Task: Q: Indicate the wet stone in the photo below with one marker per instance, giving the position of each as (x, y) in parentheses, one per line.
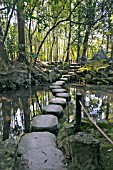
(36, 140)
(58, 84)
(55, 87)
(59, 101)
(54, 109)
(64, 79)
(66, 76)
(45, 123)
(60, 81)
(64, 95)
(37, 151)
(54, 91)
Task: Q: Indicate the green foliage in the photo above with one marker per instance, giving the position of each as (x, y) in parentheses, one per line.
(94, 16)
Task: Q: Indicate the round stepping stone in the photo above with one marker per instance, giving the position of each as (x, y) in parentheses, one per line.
(64, 95)
(63, 82)
(54, 109)
(58, 91)
(59, 101)
(67, 76)
(72, 67)
(57, 84)
(55, 87)
(72, 73)
(64, 79)
(74, 64)
(36, 140)
(45, 123)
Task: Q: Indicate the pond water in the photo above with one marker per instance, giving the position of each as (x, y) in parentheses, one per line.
(17, 108)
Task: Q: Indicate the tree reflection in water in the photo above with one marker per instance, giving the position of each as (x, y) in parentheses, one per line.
(17, 108)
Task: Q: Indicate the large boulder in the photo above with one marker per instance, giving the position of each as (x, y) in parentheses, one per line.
(84, 150)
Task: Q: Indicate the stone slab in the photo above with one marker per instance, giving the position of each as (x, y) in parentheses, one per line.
(45, 123)
(54, 109)
(36, 140)
(37, 151)
(58, 91)
(64, 79)
(57, 84)
(59, 101)
(60, 81)
(64, 95)
(41, 159)
(55, 87)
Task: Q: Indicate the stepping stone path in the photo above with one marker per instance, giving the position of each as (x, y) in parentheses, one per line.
(45, 123)
(38, 150)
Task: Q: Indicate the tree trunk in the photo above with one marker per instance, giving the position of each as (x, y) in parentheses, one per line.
(3, 54)
(112, 44)
(69, 38)
(78, 43)
(21, 35)
(51, 50)
(85, 43)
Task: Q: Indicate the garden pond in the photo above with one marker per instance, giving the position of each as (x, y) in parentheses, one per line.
(17, 108)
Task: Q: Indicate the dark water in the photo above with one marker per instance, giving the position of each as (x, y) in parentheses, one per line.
(17, 108)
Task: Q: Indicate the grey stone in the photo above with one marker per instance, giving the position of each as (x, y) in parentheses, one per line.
(36, 140)
(84, 150)
(64, 95)
(54, 91)
(37, 151)
(54, 109)
(63, 82)
(45, 123)
(66, 76)
(55, 87)
(59, 101)
(57, 84)
(41, 159)
(64, 79)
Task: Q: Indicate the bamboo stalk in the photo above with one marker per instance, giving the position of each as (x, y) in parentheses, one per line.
(94, 123)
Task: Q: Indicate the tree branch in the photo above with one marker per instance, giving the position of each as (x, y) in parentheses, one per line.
(8, 24)
(54, 26)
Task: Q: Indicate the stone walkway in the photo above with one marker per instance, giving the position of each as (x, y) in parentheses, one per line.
(38, 150)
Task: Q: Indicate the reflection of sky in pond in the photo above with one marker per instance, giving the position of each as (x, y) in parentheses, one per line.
(17, 123)
(93, 108)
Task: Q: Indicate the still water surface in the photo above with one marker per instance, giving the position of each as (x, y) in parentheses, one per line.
(17, 108)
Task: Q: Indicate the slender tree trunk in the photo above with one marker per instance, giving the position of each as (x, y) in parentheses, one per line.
(78, 43)
(3, 54)
(51, 50)
(112, 44)
(56, 56)
(21, 35)
(69, 38)
(85, 43)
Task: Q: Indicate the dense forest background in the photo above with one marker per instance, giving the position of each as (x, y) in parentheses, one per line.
(55, 30)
